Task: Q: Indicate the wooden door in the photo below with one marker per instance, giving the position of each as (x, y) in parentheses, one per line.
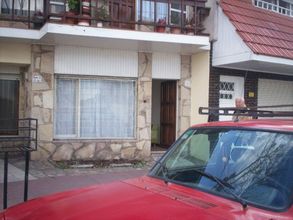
(168, 113)
(9, 90)
(122, 11)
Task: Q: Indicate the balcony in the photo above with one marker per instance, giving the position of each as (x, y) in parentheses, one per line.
(168, 16)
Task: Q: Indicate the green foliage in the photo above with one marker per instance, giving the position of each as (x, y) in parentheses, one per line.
(102, 13)
(73, 5)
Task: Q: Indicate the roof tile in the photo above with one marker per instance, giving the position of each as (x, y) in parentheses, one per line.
(265, 32)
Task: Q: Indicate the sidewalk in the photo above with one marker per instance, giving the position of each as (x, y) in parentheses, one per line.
(46, 179)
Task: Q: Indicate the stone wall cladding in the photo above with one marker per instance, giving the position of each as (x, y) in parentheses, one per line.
(42, 94)
(184, 95)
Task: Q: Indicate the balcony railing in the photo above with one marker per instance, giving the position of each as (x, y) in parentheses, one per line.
(173, 16)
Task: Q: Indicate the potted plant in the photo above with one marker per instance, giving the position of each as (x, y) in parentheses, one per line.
(73, 8)
(175, 20)
(38, 19)
(161, 25)
(189, 26)
(102, 15)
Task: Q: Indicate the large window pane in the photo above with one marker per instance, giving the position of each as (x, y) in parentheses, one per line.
(65, 122)
(106, 108)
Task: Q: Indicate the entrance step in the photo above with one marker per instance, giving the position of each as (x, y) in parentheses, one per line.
(156, 155)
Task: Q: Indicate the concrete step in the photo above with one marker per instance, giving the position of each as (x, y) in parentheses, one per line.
(156, 155)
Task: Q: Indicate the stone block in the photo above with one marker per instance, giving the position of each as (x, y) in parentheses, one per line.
(116, 148)
(100, 146)
(47, 115)
(48, 99)
(127, 144)
(145, 65)
(63, 152)
(86, 152)
(38, 100)
(128, 153)
(48, 78)
(41, 84)
(47, 62)
(184, 123)
(184, 93)
(141, 121)
(144, 134)
(140, 145)
(186, 110)
(50, 147)
(104, 155)
(46, 132)
(37, 62)
(76, 146)
(37, 113)
(40, 154)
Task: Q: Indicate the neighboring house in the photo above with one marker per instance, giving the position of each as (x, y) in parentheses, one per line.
(97, 91)
(252, 55)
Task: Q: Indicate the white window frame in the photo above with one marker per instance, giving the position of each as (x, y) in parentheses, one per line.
(77, 106)
(275, 7)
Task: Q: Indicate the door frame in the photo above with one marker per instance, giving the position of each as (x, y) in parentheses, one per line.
(238, 92)
(13, 77)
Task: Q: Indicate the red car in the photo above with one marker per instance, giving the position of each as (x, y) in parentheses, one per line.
(219, 170)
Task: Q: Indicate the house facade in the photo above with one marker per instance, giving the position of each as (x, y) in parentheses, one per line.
(252, 52)
(105, 77)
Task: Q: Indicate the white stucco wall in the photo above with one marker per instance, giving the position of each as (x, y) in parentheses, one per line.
(200, 69)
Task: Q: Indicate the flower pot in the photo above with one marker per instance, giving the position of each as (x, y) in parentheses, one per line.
(69, 20)
(175, 30)
(189, 30)
(161, 29)
(83, 21)
(99, 24)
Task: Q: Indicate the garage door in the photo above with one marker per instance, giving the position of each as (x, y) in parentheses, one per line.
(275, 92)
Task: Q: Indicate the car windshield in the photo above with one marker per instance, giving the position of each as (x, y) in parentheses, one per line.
(256, 165)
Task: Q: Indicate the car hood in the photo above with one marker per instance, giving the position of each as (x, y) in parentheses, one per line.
(142, 198)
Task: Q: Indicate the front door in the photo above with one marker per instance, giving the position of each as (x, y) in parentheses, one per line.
(230, 87)
(168, 113)
(9, 90)
(123, 12)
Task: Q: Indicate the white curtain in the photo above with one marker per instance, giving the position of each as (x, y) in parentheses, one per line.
(65, 120)
(106, 108)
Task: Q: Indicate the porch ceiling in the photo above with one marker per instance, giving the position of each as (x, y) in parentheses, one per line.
(57, 34)
(259, 63)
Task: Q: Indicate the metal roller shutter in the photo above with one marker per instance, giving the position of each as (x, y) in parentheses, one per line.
(275, 92)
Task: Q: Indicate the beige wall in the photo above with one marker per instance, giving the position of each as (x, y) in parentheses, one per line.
(199, 85)
(15, 53)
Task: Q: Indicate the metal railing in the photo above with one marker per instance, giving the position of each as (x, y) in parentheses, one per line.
(18, 136)
(174, 16)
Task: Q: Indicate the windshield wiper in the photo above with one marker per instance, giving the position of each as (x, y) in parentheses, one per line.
(165, 171)
(226, 186)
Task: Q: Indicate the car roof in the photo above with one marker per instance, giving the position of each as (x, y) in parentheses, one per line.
(263, 124)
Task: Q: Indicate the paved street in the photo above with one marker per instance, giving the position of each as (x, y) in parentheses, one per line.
(46, 179)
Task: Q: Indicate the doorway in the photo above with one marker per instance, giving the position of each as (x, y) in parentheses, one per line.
(164, 101)
(230, 88)
(9, 98)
